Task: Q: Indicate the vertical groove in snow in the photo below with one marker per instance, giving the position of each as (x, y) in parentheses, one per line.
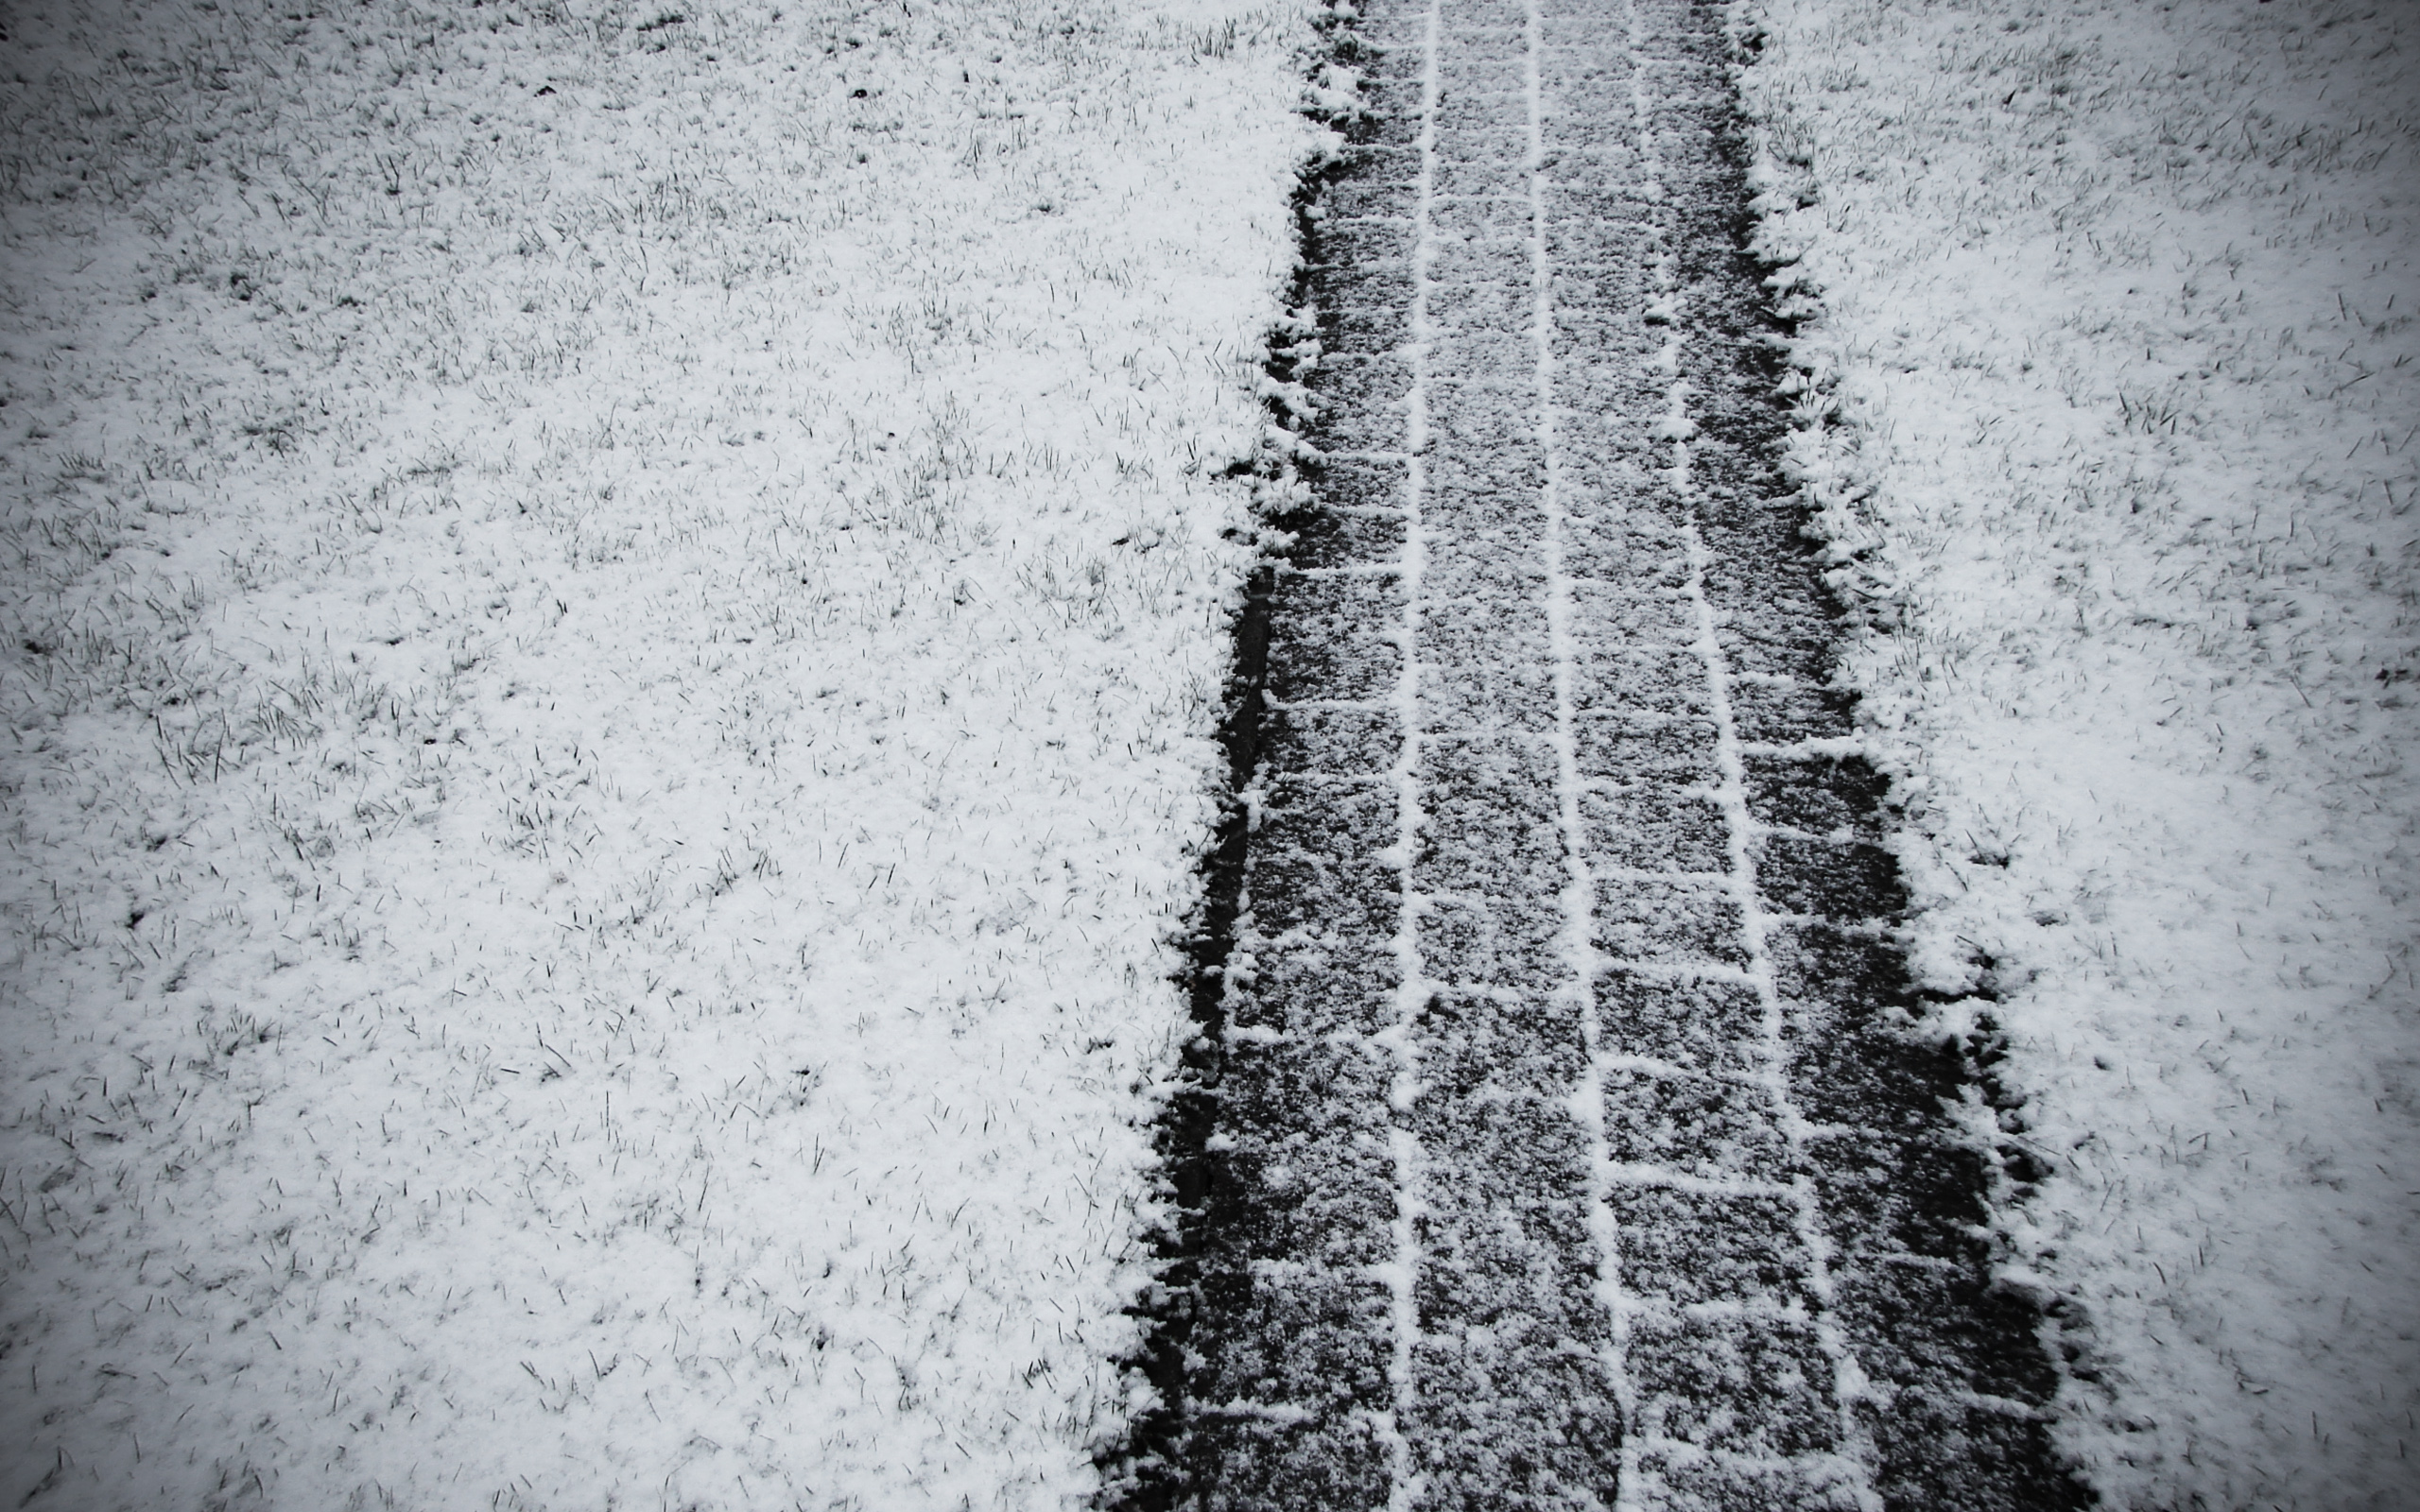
(1579, 892)
(1650, 189)
(1413, 988)
(1849, 1383)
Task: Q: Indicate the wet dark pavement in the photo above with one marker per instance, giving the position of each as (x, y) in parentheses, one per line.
(1558, 1139)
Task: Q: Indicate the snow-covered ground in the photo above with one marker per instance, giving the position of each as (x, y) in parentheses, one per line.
(612, 625)
(611, 621)
(2117, 303)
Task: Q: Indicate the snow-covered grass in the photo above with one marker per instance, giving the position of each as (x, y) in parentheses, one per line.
(2117, 304)
(613, 620)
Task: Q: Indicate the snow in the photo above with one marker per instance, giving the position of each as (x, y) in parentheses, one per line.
(1577, 901)
(1770, 1055)
(2107, 395)
(612, 625)
(1398, 1039)
(1555, 1008)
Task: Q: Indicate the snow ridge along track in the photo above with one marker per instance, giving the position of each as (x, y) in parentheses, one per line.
(1555, 1143)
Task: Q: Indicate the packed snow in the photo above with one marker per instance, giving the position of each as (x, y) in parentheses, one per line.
(613, 621)
(2108, 394)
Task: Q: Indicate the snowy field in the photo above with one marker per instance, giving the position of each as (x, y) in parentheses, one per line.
(613, 620)
(2116, 301)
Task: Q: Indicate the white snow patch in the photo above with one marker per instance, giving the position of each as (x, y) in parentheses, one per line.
(612, 627)
(2117, 303)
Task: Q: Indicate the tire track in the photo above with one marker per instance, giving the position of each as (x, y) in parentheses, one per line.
(1553, 1141)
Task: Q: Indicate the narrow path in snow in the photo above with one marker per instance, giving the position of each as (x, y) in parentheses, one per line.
(1561, 1150)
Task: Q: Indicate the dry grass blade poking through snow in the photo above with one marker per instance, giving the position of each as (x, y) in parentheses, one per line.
(612, 631)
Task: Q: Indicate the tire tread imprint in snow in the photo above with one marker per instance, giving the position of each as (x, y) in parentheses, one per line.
(1672, 1215)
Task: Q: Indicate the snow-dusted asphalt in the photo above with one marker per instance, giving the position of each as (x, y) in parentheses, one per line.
(1561, 1148)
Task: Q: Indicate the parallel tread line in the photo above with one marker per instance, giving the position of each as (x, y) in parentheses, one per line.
(1403, 1482)
(1587, 1101)
(1849, 1382)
